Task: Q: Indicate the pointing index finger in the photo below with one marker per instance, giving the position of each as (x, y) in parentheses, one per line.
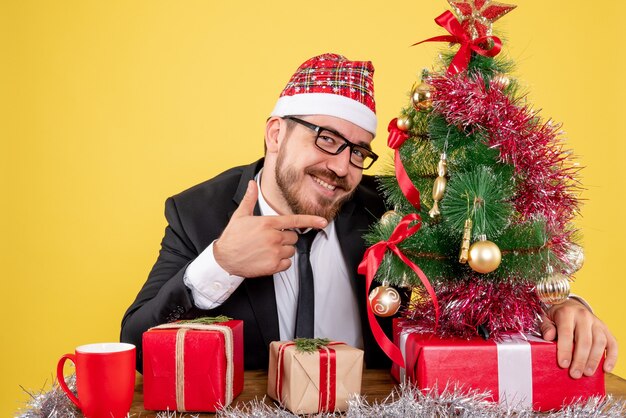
(298, 221)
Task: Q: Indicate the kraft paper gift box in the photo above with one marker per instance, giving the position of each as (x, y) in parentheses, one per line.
(519, 371)
(308, 383)
(192, 367)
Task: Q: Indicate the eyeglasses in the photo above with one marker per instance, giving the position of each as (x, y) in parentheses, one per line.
(334, 143)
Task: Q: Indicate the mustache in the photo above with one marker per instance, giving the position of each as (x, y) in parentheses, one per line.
(329, 177)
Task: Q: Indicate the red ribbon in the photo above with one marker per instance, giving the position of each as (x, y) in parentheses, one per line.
(328, 376)
(395, 141)
(328, 379)
(457, 35)
(279, 377)
(368, 267)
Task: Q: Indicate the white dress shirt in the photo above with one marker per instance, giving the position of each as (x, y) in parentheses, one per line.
(336, 309)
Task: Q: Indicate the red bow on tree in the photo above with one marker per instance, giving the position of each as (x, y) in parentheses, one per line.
(458, 35)
(370, 264)
(395, 141)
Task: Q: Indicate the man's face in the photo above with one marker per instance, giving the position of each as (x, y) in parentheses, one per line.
(311, 181)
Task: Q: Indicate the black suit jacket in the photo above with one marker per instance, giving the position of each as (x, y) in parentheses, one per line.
(196, 217)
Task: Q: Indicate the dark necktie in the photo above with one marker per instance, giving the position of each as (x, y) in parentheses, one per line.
(306, 297)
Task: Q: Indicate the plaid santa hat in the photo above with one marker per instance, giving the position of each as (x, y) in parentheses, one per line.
(330, 84)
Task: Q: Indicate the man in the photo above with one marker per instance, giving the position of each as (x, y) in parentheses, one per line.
(219, 256)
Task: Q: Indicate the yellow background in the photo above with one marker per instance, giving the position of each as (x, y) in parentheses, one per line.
(109, 107)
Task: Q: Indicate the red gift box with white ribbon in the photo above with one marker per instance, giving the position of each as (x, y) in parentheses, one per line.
(518, 371)
(192, 366)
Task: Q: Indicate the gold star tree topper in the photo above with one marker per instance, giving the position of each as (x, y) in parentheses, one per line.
(477, 16)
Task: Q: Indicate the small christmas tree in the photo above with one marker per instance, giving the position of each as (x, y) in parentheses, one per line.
(494, 189)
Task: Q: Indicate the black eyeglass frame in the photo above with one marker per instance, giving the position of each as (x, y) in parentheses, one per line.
(318, 131)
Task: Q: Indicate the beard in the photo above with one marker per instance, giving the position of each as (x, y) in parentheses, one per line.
(290, 180)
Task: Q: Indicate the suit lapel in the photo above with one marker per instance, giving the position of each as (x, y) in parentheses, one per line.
(247, 174)
(352, 222)
(260, 290)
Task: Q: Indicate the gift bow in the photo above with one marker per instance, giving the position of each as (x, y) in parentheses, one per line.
(461, 60)
(395, 141)
(182, 328)
(368, 267)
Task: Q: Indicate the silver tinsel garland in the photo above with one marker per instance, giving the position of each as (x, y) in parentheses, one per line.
(408, 401)
(55, 404)
(51, 404)
(404, 401)
(174, 414)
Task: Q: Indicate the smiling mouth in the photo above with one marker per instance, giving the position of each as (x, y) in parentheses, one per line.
(324, 184)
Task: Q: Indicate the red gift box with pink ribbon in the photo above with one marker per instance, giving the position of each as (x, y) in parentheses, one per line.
(519, 371)
(192, 366)
(310, 382)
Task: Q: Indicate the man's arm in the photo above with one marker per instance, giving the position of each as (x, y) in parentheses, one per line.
(582, 338)
(164, 296)
(252, 246)
(209, 294)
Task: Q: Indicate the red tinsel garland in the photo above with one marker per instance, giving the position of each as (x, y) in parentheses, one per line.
(546, 185)
(501, 307)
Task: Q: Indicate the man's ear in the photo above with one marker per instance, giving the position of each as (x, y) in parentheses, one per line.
(272, 133)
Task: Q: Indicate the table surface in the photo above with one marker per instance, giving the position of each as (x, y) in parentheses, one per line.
(377, 385)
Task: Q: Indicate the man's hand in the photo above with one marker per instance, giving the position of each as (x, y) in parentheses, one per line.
(573, 322)
(253, 246)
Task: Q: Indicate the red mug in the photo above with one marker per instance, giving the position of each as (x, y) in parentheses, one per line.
(105, 379)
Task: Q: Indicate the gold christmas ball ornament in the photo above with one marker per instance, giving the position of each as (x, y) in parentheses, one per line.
(391, 216)
(500, 80)
(384, 301)
(404, 123)
(484, 256)
(576, 257)
(553, 289)
(421, 97)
